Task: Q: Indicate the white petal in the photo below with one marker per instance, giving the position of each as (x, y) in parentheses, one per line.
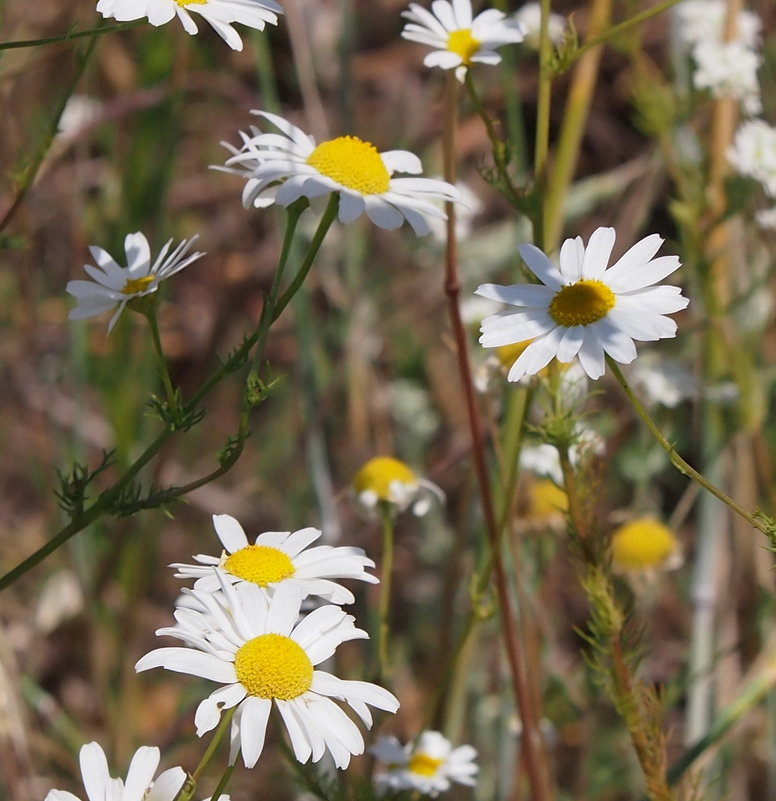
(253, 728)
(633, 259)
(529, 295)
(541, 266)
(643, 274)
(537, 355)
(299, 741)
(597, 253)
(570, 344)
(230, 532)
(572, 255)
(284, 609)
(187, 660)
(167, 785)
(141, 771)
(591, 354)
(94, 771)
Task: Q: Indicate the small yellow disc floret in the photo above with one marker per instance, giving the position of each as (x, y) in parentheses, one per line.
(463, 44)
(135, 285)
(379, 473)
(546, 499)
(259, 564)
(642, 544)
(273, 666)
(582, 303)
(352, 163)
(423, 764)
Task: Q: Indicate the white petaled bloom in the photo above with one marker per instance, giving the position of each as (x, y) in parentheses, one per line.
(664, 381)
(265, 657)
(753, 153)
(388, 481)
(113, 286)
(585, 309)
(704, 20)
(544, 460)
(283, 167)
(427, 766)
(766, 218)
(279, 557)
(459, 39)
(219, 14)
(139, 785)
(530, 17)
(728, 69)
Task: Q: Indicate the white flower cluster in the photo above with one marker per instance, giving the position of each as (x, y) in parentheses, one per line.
(243, 625)
(725, 66)
(753, 154)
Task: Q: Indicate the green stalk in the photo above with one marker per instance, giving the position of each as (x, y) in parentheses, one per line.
(164, 371)
(213, 744)
(71, 35)
(386, 574)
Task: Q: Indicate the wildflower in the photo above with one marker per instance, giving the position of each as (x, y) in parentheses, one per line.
(283, 167)
(255, 647)
(530, 17)
(645, 545)
(115, 286)
(585, 309)
(663, 381)
(279, 557)
(728, 69)
(139, 786)
(546, 501)
(544, 460)
(385, 480)
(79, 112)
(459, 39)
(753, 153)
(427, 766)
(220, 14)
(704, 20)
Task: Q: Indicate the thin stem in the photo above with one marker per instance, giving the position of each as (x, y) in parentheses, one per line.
(153, 324)
(221, 786)
(214, 743)
(71, 35)
(541, 147)
(535, 762)
(678, 462)
(329, 213)
(386, 572)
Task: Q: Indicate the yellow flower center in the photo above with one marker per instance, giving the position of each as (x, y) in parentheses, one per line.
(260, 564)
(582, 303)
(642, 543)
(379, 473)
(192, 2)
(352, 163)
(135, 285)
(463, 44)
(507, 354)
(273, 666)
(423, 764)
(546, 499)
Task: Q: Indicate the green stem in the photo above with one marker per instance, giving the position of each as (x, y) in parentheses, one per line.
(70, 35)
(541, 147)
(330, 212)
(153, 324)
(676, 460)
(383, 660)
(221, 786)
(214, 743)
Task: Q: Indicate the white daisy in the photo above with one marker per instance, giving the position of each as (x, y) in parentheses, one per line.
(427, 766)
(459, 39)
(139, 785)
(389, 481)
(585, 309)
(530, 17)
(114, 285)
(255, 647)
(282, 167)
(728, 69)
(279, 557)
(220, 14)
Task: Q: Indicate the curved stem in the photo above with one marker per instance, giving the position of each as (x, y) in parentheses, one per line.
(676, 460)
(71, 35)
(214, 743)
(153, 323)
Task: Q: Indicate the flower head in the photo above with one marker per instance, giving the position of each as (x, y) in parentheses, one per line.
(427, 766)
(139, 785)
(113, 286)
(530, 17)
(279, 557)
(283, 167)
(385, 480)
(728, 69)
(704, 20)
(753, 153)
(265, 657)
(220, 14)
(644, 545)
(583, 308)
(459, 39)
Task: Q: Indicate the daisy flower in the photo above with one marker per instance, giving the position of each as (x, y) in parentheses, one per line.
(388, 481)
(282, 167)
(220, 14)
(279, 557)
(753, 153)
(645, 545)
(265, 658)
(584, 308)
(139, 786)
(459, 39)
(113, 286)
(530, 17)
(427, 766)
